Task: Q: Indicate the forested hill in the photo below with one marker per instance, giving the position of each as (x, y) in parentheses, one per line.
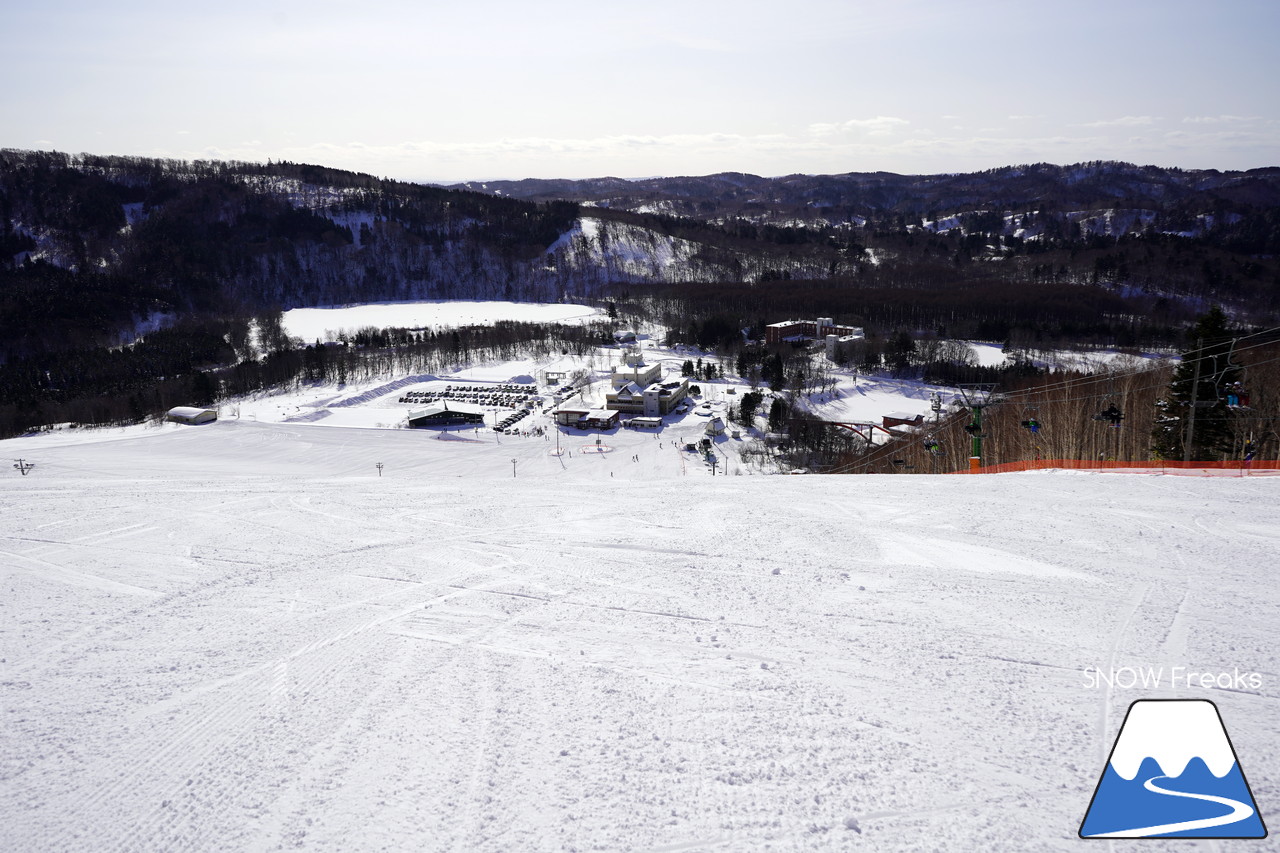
(1236, 209)
(93, 248)
(89, 245)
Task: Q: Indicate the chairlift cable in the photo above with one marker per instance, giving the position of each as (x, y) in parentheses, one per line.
(1109, 375)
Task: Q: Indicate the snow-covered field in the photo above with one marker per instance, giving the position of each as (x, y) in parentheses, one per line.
(240, 637)
(310, 324)
(249, 636)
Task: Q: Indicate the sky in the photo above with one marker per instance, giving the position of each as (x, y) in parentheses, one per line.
(497, 89)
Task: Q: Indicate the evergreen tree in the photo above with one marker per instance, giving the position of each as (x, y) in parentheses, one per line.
(900, 350)
(778, 413)
(751, 401)
(1204, 376)
(774, 372)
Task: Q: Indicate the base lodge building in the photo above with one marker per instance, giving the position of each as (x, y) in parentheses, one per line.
(808, 330)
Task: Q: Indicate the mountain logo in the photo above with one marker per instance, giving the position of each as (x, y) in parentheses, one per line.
(1172, 773)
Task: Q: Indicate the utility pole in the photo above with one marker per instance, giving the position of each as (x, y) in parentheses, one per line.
(1191, 407)
(379, 467)
(513, 468)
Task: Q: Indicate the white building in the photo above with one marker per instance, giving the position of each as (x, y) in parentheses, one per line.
(654, 400)
(636, 372)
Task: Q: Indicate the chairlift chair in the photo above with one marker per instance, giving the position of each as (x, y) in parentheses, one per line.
(1236, 396)
(1112, 414)
(1029, 420)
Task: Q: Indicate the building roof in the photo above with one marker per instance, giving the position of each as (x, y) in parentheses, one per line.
(630, 389)
(189, 411)
(443, 406)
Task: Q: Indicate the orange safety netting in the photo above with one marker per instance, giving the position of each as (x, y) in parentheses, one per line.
(1205, 469)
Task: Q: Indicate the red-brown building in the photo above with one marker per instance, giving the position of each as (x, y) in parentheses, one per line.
(807, 330)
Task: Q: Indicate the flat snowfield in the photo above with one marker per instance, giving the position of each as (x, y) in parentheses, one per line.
(240, 637)
(312, 323)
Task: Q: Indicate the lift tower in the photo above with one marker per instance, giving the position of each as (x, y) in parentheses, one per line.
(977, 396)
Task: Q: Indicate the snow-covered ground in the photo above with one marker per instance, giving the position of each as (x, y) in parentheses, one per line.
(851, 398)
(240, 636)
(250, 636)
(310, 324)
(993, 355)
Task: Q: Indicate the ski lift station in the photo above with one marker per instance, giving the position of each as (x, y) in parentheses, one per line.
(191, 415)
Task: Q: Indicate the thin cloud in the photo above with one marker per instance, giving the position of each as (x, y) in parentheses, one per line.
(830, 149)
(1123, 121)
(1220, 119)
(880, 125)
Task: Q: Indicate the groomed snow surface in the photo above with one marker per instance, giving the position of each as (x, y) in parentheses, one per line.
(240, 637)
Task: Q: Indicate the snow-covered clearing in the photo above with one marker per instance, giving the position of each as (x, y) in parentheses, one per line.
(240, 637)
(993, 355)
(310, 324)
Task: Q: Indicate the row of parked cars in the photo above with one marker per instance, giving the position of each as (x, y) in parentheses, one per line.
(511, 420)
(506, 396)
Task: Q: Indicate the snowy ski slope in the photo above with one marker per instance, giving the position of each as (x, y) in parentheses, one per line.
(241, 637)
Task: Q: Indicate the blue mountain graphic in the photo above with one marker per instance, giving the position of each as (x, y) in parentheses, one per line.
(1120, 805)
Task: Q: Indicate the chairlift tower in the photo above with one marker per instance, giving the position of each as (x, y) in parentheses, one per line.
(977, 396)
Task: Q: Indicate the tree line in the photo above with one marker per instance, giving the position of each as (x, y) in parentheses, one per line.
(208, 360)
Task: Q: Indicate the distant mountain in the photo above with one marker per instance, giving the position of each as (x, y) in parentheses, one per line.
(1174, 201)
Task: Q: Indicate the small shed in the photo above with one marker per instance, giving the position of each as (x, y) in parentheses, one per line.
(897, 419)
(191, 415)
(715, 426)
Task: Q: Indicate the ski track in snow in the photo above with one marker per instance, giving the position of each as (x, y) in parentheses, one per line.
(242, 638)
